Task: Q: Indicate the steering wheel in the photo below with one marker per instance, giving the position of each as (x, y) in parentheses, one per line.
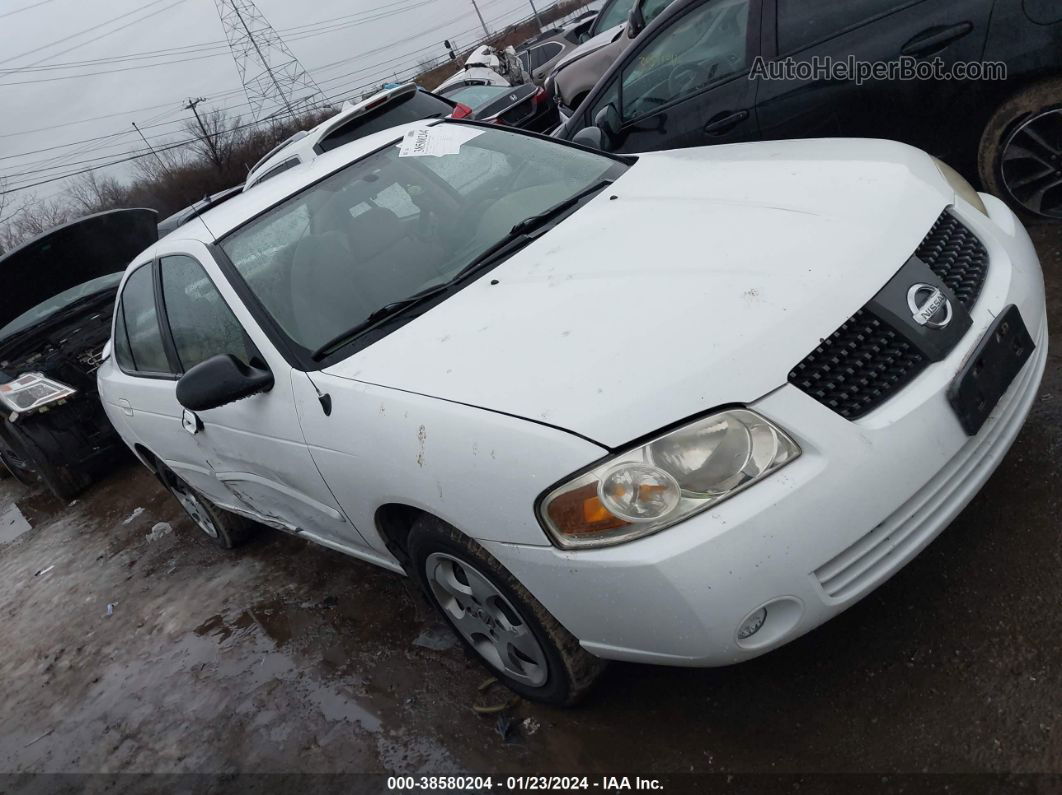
(686, 78)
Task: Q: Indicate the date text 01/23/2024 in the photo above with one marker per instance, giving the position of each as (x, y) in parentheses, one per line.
(522, 783)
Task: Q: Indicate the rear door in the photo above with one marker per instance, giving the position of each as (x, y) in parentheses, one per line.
(926, 32)
(687, 82)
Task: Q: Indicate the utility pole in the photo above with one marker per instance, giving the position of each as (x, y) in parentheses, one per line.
(149, 146)
(192, 103)
(538, 19)
(481, 21)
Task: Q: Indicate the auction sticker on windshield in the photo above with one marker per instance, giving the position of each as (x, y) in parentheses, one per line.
(437, 141)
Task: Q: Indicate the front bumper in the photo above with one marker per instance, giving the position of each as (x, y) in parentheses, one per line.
(864, 498)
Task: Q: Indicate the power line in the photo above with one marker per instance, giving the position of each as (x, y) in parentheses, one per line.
(293, 33)
(24, 8)
(80, 33)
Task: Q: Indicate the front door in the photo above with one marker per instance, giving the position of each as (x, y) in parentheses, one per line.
(688, 84)
(253, 449)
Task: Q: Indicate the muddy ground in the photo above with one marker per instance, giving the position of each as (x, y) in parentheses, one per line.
(288, 657)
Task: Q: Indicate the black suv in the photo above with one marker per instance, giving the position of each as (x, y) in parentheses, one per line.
(701, 73)
(55, 319)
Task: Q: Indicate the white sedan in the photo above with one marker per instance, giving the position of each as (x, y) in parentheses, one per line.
(679, 408)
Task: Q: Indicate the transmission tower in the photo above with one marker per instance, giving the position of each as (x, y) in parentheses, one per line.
(274, 81)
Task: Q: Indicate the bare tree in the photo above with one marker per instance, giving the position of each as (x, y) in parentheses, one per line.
(215, 136)
(95, 193)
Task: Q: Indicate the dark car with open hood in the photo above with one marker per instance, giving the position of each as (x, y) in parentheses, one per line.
(55, 322)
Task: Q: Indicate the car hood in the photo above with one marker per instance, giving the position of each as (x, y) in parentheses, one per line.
(602, 39)
(72, 254)
(707, 278)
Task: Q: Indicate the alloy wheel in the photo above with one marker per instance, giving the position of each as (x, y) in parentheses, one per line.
(1032, 164)
(486, 619)
(195, 509)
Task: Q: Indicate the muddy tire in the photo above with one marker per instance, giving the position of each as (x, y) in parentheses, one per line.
(224, 529)
(1020, 158)
(497, 620)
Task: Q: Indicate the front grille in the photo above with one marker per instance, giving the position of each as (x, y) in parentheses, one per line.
(957, 256)
(91, 360)
(859, 367)
(866, 361)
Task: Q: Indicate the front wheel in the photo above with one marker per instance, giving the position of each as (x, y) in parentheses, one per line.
(1021, 151)
(224, 529)
(496, 618)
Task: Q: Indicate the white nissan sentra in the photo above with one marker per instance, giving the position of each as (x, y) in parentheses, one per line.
(678, 408)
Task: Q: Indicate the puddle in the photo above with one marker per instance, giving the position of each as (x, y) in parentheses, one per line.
(12, 524)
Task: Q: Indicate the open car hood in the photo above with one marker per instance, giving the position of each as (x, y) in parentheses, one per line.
(72, 254)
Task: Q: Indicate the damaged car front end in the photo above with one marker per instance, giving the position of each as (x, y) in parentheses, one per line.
(55, 312)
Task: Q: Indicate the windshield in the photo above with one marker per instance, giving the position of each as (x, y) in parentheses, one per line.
(475, 96)
(59, 302)
(613, 14)
(393, 224)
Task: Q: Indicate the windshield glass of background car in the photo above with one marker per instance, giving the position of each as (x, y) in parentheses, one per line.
(57, 303)
(474, 96)
(387, 227)
(615, 14)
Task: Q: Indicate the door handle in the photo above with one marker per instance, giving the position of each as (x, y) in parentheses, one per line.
(932, 41)
(126, 406)
(725, 122)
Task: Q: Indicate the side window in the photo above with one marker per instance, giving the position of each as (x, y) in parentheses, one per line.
(201, 322)
(802, 23)
(703, 47)
(525, 60)
(651, 9)
(280, 168)
(138, 339)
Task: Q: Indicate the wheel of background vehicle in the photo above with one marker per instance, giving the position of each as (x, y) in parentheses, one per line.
(226, 530)
(62, 481)
(1021, 152)
(496, 618)
(8, 466)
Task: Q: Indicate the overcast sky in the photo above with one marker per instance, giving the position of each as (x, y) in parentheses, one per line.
(346, 45)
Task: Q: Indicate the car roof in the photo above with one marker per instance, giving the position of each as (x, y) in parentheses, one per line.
(219, 221)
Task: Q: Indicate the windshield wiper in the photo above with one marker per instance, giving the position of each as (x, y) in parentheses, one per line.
(378, 317)
(517, 237)
(529, 225)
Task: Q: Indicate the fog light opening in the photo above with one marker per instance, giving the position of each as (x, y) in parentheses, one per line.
(753, 624)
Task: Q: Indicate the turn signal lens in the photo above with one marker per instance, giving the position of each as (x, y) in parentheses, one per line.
(669, 479)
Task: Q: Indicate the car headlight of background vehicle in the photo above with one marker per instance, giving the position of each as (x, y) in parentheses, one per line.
(666, 480)
(961, 187)
(31, 392)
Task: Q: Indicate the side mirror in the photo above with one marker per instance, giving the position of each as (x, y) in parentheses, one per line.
(219, 381)
(636, 20)
(608, 121)
(592, 137)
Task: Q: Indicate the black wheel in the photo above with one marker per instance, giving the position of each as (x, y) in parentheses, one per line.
(497, 620)
(1021, 152)
(224, 529)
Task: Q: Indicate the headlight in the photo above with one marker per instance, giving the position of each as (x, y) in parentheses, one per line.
(32, 391)
(666, 480)
(961, 187)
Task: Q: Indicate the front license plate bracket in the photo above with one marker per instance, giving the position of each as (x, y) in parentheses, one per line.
(989, 372)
